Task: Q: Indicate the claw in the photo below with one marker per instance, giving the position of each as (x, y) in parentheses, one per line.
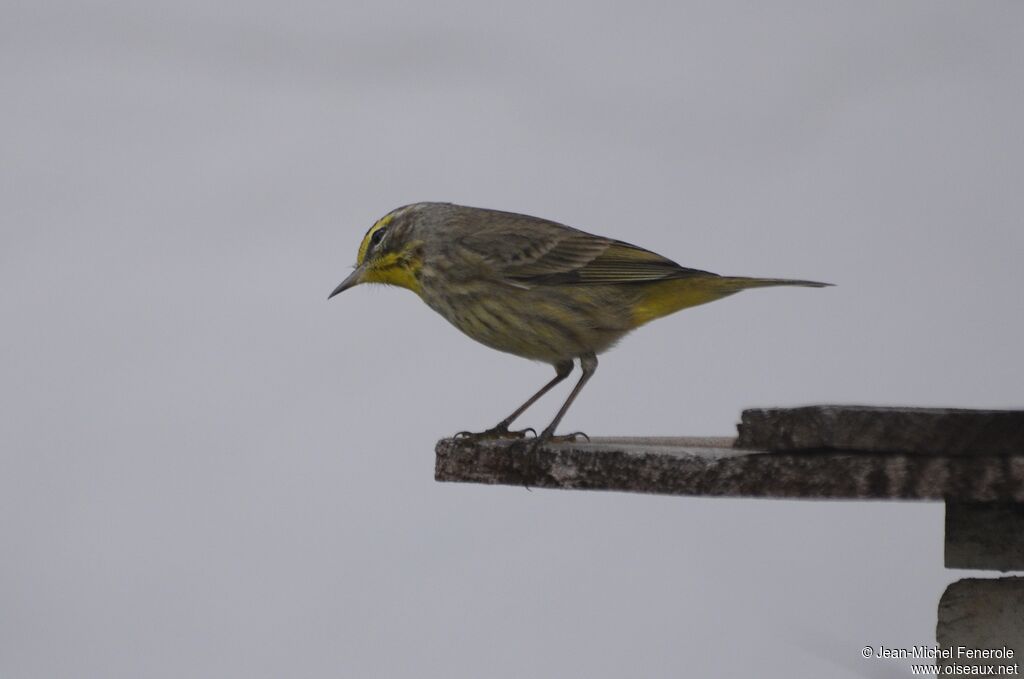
(495, 433)
(569, 438)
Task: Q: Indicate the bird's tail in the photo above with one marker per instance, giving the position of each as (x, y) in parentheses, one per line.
(666, 297)
(737, 283)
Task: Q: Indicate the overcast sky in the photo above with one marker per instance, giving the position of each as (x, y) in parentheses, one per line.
(207, 470)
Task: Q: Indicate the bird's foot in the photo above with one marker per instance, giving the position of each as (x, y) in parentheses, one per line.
(574, 437)
(546, 437)
(530, 448)
(496, 434)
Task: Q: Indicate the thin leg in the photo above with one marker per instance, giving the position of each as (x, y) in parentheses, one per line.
(562, 371)
(589, 364)
(500, 430)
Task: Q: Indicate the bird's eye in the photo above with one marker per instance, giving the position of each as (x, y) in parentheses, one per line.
(376, 238)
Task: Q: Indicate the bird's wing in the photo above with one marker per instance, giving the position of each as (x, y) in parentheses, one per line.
(538, 252)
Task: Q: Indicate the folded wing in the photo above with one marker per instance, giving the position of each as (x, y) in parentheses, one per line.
(531, 251)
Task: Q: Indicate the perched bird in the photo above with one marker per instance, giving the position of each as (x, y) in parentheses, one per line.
(532, 287)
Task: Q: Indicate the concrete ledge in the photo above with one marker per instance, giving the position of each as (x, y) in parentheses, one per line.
(713, 467)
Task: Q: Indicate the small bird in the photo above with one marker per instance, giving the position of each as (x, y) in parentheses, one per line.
(532, 287)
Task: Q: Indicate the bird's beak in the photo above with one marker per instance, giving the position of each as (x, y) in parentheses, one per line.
(351, 281)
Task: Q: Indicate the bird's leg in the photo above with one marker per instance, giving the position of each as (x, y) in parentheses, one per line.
(588, 362)
(501, 430)
(562, 370)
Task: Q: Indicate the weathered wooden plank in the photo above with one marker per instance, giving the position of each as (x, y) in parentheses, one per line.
(923, 431)
(711, 467)
(985, 536)
(984, 614)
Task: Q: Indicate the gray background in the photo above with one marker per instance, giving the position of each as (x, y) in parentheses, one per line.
(209, 471)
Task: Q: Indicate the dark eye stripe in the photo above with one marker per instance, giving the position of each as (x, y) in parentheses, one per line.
(376, 237)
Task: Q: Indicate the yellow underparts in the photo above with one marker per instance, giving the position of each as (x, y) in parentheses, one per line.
(667, 297)
(394, 269)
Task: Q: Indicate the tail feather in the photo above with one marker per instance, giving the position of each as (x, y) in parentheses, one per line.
(665, 297)
(738, 283)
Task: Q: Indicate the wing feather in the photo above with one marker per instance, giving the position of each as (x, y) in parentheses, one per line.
(531, 251)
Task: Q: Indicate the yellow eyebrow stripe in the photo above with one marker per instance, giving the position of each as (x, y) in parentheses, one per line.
(365, 245)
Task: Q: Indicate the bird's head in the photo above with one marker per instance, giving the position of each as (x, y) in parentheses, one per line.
(390, 252)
